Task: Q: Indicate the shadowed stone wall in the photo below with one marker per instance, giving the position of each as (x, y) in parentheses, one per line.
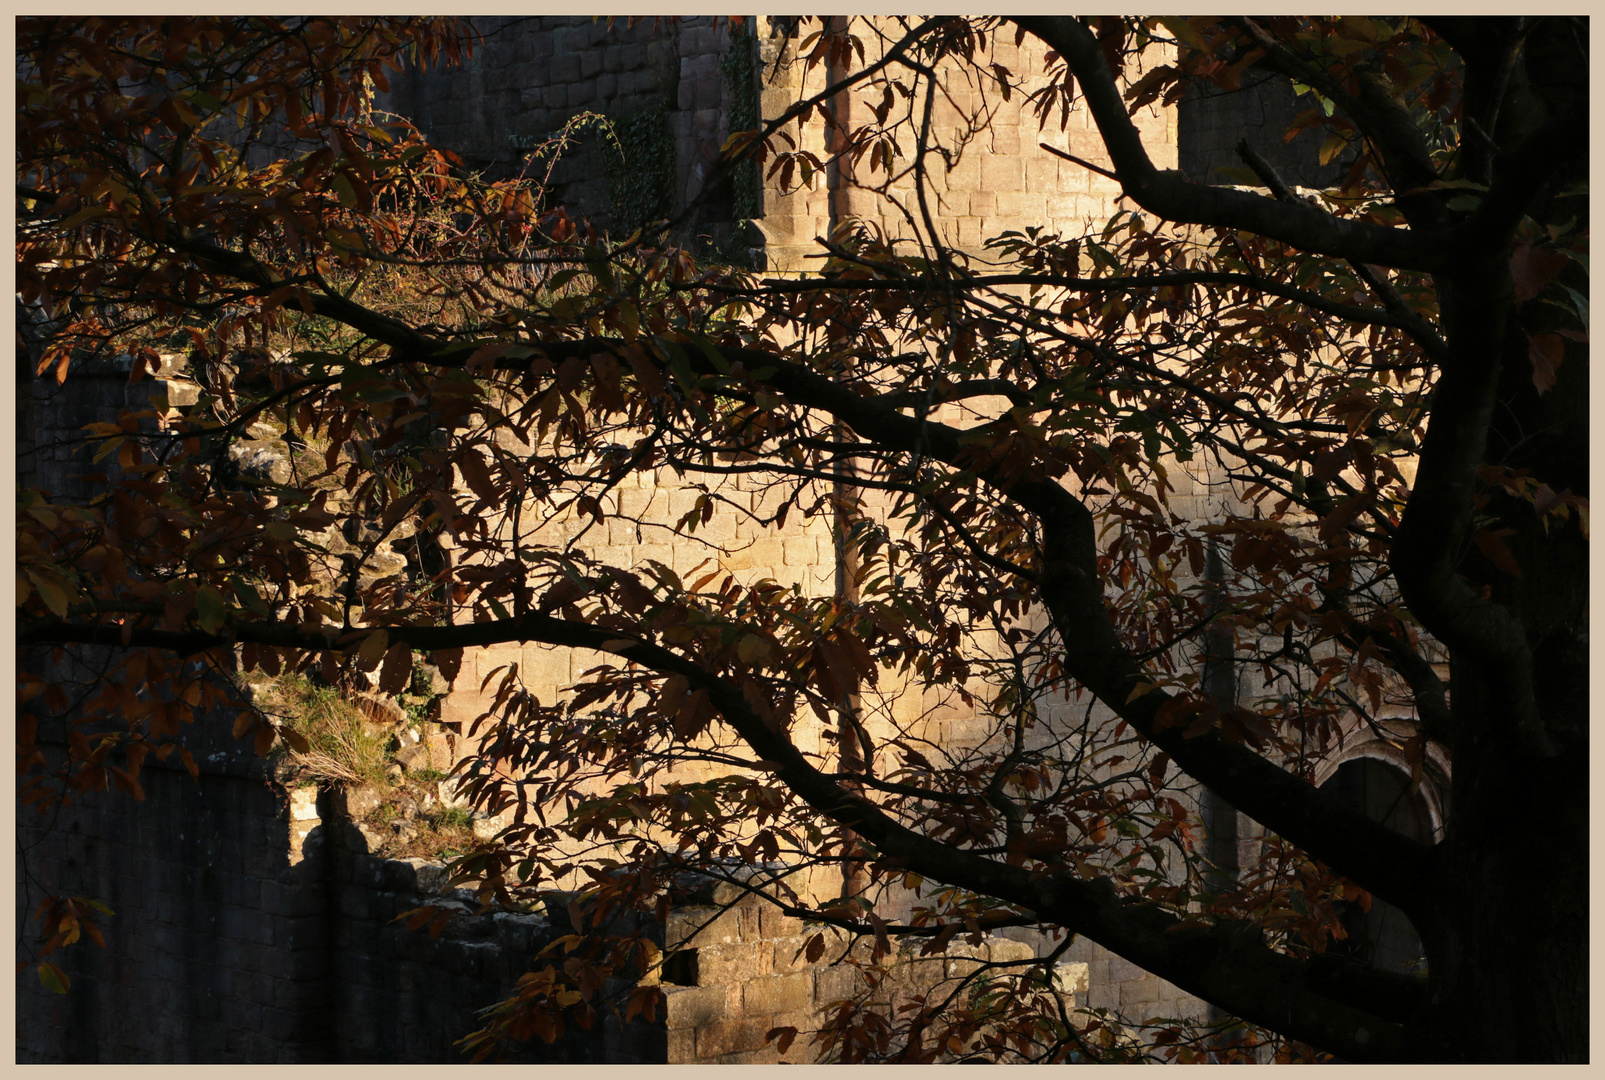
(250, 927)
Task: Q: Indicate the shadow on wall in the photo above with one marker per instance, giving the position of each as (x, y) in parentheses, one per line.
(251, 926)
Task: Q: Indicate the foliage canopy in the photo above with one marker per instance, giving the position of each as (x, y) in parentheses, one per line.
(1388, 375)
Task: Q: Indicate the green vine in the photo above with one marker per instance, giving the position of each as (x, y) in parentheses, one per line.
(737, 67)
(640, 169)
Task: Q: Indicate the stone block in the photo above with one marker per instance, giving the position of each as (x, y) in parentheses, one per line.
(284, 1026)
(789, 954)
(1071, 978)
(292, 996)
(1139, 992)
(725, 964)
(547, 665)
(749, 921)
(249, 986)
(719, 1038)
(519, 933)
(686, 1007)
(1121, 970)
(777, 993)
(1003, 950)
(355, 902)
(1000, 174)
(801, 551)
(701, 927)
(310, 933)
(1024, 207)
(357, 801)
(802, 1050)
(173, 393)
(838, 983)
(1004, 139)
(304, 804)
(565, 68)
(681, 1048)
(237, 923)
(777, 924)
(291, 899)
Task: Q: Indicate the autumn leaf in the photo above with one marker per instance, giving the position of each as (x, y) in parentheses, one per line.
(51, 590)
(1492, 545)
(373, 649)
(752, 649)
(396, 672)
(209, 609)
(1533, 267)
(54, 979)
(1545, 352)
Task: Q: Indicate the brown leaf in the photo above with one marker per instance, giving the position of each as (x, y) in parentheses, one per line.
(1342, 516)
(814, 949)
(477, 476)
(1545, 352)
(1531, 268)
(396, 672)
(54, 979)
(1328, 463)
(449, 661)
(1493, 549)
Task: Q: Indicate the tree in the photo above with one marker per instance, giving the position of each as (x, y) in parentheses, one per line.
(1390, 373)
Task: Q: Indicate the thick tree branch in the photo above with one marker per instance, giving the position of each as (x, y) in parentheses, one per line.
(1228, 963)
(1426, 550)
(1388, 125)
(1176, 199)
(1368, 316)
(1404, 317)
(1380, 859)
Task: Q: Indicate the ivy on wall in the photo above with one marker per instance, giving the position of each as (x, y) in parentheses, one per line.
(641, 169)
(738, 67)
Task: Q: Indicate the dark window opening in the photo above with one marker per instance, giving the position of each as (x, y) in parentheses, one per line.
(680, 969)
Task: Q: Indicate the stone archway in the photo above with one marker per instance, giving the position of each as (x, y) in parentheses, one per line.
(1378, 787)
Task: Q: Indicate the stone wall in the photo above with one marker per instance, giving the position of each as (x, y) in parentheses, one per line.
(217, 950)
(252, 926)
(249, 925)
(737, 970)
(531, 75)
(1211, 122)
(992, 173)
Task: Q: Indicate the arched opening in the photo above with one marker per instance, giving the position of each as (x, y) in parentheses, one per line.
(1382, 937)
